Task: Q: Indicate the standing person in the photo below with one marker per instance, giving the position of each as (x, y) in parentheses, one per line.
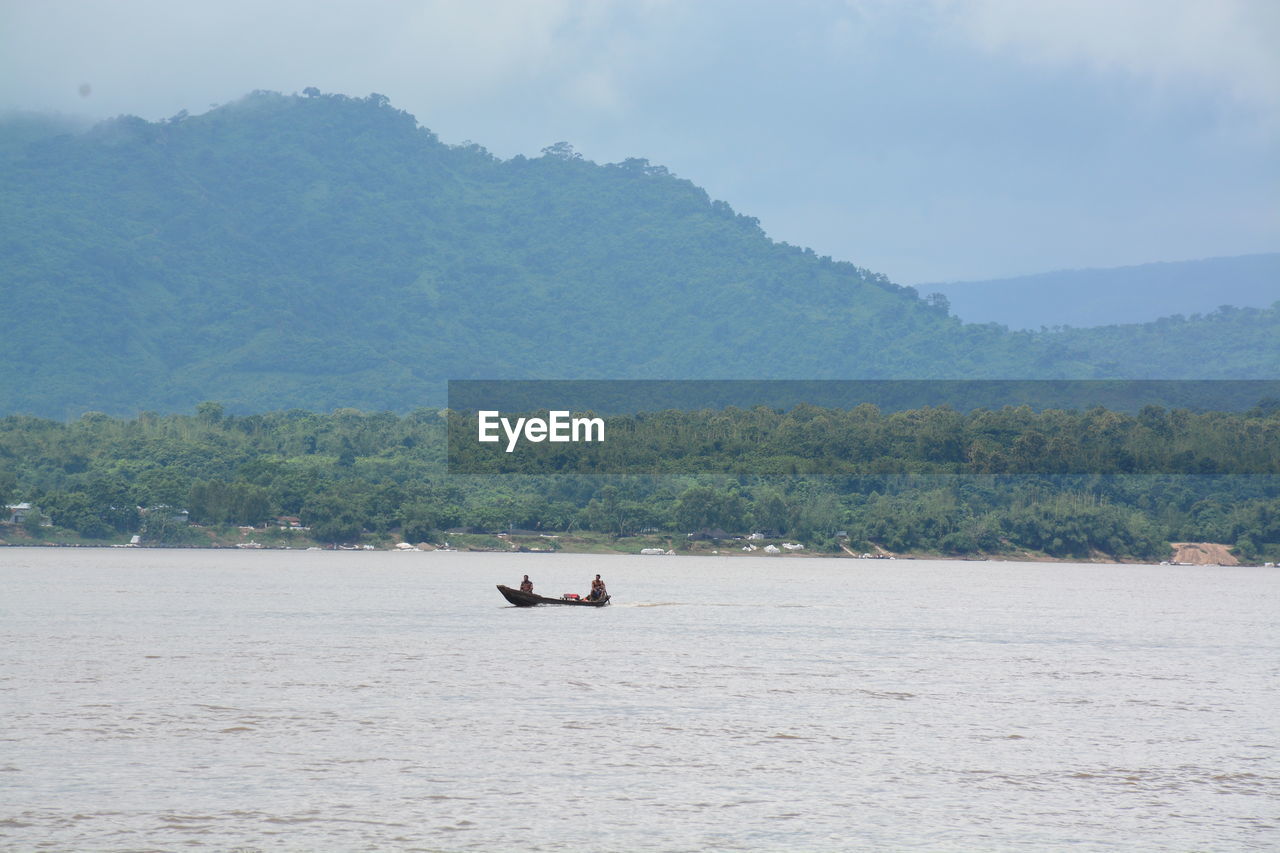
(597, 589)
(526, 585)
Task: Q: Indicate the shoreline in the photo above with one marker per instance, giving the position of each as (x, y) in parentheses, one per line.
(598, 549)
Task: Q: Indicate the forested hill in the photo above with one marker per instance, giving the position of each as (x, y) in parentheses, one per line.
(321, 251)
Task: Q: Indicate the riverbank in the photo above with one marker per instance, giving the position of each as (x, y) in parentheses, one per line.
(588, 542)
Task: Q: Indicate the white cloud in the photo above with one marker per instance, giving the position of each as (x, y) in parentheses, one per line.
(153, 56)
(469, 49)
(1228, 48)
(1166, 109)
(596, 90)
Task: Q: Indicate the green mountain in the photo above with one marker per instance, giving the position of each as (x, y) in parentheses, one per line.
(321, 251)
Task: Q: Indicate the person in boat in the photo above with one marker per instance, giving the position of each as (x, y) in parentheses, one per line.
(597, 590)
(526, 585)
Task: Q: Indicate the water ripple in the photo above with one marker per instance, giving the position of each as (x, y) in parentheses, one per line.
(284, 702)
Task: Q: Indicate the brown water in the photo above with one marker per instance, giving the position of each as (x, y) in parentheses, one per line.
(175, 700)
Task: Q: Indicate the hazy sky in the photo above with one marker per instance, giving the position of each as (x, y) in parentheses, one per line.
(929, 140)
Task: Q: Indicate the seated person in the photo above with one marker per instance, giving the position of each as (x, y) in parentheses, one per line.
(597, 590)
(526, 585)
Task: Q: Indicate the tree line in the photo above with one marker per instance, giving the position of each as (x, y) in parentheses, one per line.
(863, 441)
(923, 480)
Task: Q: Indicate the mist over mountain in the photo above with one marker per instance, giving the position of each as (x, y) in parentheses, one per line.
(1104, 297)
(320, 251)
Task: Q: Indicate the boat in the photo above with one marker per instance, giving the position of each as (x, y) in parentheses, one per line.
(529, 599)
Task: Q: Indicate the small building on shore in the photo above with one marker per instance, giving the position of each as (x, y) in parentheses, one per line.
(21, 513)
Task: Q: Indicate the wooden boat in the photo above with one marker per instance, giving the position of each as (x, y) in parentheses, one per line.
(529, 599)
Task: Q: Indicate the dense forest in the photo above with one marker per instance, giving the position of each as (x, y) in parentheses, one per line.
(351, 476)
(864, 441)
(320, 251)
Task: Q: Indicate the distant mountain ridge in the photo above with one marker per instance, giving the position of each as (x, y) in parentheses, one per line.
(322, 251)
(1104, 297)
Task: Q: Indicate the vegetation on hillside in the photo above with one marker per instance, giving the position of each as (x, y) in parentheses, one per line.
(320, 251)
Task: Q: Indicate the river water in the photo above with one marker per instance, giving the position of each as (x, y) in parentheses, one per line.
(210, 700)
